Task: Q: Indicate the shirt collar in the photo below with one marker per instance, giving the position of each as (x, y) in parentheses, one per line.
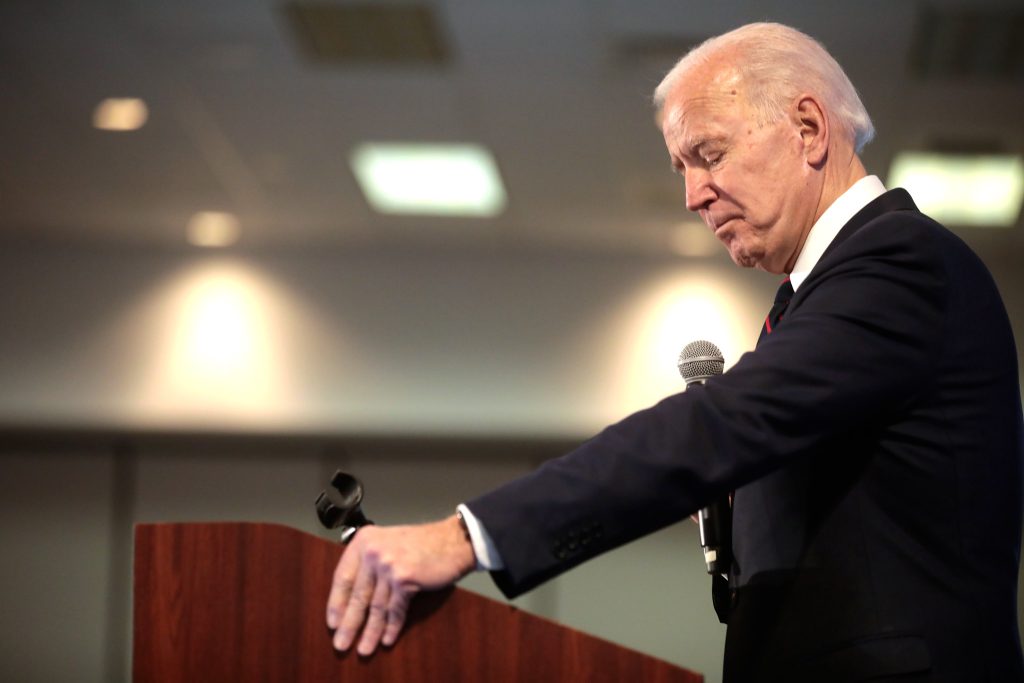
(825, 229)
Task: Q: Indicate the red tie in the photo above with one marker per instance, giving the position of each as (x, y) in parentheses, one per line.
(782, 297)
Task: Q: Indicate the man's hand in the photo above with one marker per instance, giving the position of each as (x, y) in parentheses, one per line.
(380, 572)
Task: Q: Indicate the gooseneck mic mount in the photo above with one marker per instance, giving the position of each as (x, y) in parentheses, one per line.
(340, 508)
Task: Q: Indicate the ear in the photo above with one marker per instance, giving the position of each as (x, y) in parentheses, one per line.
(812, 125)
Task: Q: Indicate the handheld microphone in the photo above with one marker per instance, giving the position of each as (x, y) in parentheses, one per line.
(698, 361)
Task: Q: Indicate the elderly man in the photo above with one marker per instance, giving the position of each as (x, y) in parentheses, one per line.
(873, 439)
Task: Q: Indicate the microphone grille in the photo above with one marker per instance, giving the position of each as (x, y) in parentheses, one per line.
(700, 360)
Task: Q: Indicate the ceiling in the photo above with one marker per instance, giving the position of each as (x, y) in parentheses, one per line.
(242, 119)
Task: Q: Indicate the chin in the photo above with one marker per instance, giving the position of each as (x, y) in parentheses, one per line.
(744, 259)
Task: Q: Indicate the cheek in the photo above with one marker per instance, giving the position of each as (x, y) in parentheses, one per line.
(769, 191)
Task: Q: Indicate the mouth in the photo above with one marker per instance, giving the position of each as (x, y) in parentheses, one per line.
(717, 226)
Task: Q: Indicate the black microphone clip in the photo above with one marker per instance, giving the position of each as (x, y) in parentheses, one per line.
(715, 523)
(344, 509)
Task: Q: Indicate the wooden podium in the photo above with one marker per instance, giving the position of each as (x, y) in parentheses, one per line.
(245, 602)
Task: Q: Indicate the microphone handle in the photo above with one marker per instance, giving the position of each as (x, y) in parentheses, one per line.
(715, 523)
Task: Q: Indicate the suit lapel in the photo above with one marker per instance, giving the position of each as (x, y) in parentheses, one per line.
(893, 200)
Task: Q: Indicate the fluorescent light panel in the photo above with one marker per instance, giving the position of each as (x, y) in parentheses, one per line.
(960, 189)
(429, 179)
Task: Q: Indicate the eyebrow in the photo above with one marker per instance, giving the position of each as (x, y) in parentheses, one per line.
(692, 147)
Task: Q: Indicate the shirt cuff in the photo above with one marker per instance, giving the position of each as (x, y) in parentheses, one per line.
(487, 557)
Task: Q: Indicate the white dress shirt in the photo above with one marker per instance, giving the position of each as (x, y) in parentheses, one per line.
(825, 229)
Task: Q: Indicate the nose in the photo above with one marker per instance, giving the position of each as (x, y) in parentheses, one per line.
(699, 192)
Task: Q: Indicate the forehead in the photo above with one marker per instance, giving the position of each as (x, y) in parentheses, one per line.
(707, 101)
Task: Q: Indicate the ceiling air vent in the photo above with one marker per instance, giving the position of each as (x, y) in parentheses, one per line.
(361, 34)
(969, 43)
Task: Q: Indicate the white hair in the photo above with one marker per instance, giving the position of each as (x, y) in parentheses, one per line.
(777, 63)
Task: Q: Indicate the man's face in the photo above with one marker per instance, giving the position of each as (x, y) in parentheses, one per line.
(750, 184)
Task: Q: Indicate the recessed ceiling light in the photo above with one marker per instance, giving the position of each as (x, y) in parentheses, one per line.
(120, 113)
(960, 189)
(213, 229)
(429, 179)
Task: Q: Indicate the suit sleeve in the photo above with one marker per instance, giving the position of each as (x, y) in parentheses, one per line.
(859, 342)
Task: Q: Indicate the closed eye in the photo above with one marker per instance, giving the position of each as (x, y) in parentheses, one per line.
(712, 158)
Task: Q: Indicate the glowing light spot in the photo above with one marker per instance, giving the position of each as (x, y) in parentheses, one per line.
(120, 114)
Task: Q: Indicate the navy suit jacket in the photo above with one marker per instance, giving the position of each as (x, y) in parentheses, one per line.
(874, 442)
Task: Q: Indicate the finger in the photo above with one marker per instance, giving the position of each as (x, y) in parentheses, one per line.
(341, 588)
(397, 611)
(354, 612)
(376, 617)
